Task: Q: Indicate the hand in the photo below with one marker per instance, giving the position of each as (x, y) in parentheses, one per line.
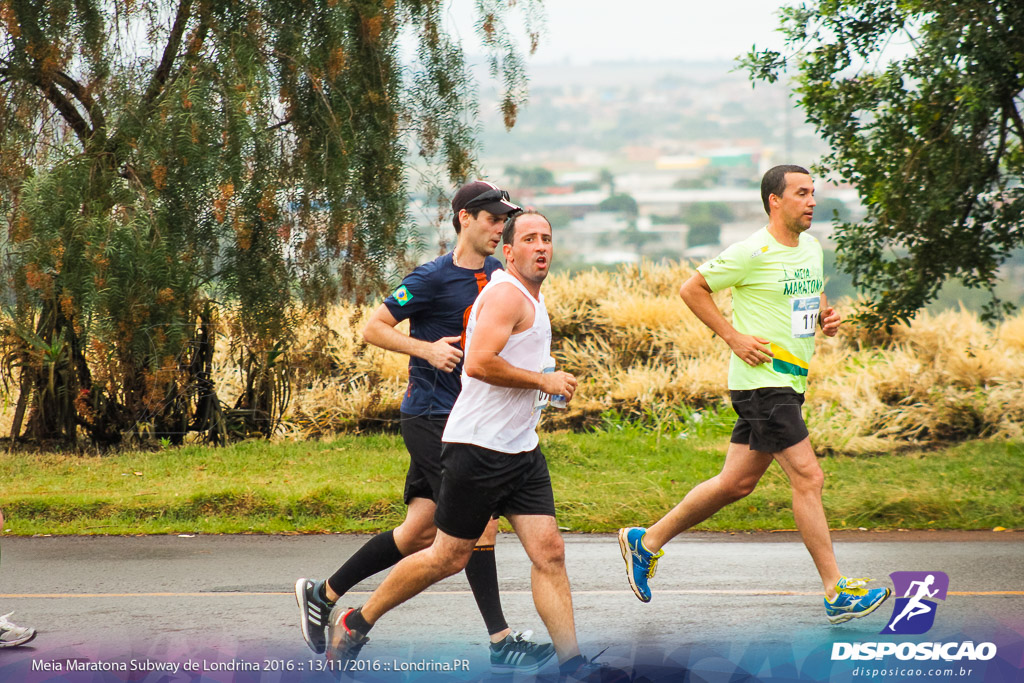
(443, 355)
(558, 384)
(830, 322)
(751, 350)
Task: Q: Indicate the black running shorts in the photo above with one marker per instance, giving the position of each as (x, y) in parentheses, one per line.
(478, 482)
(422, 436)
(770, 419)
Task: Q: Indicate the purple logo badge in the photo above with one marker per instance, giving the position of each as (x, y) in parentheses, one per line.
(914, 613)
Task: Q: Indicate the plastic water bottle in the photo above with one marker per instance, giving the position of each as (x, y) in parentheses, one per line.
(557, 401)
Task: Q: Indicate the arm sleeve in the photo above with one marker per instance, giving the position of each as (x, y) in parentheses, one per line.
(727, 269)
(412, 296)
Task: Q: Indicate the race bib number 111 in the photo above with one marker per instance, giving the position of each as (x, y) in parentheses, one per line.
(805, 315)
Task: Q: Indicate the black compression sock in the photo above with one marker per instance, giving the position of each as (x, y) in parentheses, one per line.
(483, 579)
(356, 622)
(377, 554)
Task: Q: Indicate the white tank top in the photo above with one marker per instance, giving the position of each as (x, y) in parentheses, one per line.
(502, 418)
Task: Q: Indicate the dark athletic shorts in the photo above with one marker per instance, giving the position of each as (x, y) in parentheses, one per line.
(770, 419)
(479, 482)
(422, 436)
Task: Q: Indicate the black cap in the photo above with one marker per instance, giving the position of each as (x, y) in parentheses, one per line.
(481, 194)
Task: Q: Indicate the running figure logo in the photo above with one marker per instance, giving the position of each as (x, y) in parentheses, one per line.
(914, 613)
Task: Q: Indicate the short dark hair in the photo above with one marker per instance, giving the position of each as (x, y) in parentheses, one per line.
(774, 182)
(509, 231)
(458, 224)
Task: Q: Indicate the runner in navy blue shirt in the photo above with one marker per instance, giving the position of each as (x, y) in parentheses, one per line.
(436, 299)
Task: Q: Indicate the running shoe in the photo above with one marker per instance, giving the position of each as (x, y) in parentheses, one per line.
(518, 654)
(853, 600)
(640, 562)
(582, 670)
(12, 635)
(314, 612)
(343, 643)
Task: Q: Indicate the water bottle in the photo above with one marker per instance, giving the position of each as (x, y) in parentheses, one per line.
(557, 401)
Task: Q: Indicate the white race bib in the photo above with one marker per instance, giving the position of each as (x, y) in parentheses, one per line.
(805, 315)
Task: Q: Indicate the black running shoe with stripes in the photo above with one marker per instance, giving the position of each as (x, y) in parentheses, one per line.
(518, 654)
(314, 612)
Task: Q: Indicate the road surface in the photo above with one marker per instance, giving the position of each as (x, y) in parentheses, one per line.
(722, 603)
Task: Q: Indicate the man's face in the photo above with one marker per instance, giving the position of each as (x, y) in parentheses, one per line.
(531, 250)
(796, 205)
(483, 233)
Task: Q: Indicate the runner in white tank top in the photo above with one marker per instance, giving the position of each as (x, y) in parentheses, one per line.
(502, 418)
(507, 340)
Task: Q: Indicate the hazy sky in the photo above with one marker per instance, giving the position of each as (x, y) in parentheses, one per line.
(588, 31)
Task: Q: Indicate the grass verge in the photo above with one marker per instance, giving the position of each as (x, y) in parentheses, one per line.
(602, 480)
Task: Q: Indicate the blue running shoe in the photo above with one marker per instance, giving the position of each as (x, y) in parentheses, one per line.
(853, 600)
(640, 562)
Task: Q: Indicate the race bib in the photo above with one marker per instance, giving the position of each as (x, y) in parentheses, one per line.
(805, 315)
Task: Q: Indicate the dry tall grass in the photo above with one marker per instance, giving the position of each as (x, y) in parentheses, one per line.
(638, 350)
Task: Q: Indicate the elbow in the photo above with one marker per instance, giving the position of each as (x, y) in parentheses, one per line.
(474, 369)
(367, 334)
(686, 294)
(692, 289)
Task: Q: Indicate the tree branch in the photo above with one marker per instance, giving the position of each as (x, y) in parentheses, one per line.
(1011, 110)
(99, 121)
(163, 71)
(65, 107)
(280, 124)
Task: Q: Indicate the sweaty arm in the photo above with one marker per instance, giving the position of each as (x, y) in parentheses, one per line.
(380, 331)
(504, 312)
(697, 295)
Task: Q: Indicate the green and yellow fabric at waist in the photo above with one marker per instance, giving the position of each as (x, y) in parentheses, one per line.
(786, 363)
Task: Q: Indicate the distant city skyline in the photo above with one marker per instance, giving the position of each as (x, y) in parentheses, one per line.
(581, 32)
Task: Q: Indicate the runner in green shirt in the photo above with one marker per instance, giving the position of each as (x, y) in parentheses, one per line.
(778, 300)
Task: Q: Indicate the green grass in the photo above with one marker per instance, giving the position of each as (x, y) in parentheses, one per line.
(627, 475)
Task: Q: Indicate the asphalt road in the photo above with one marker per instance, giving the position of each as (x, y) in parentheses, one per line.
(227, 601)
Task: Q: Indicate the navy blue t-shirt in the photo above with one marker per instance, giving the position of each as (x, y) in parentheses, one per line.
(436, 299)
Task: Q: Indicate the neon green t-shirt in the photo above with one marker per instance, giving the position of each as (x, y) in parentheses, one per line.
(776, 295)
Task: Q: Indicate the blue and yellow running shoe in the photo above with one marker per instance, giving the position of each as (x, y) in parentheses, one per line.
(640, 562)
(853, 600)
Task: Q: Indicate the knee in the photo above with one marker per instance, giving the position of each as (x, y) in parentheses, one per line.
(552, 557)
(411, 538)
(424, 537)
(735, 489)
(451, 561)
(809, 480)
